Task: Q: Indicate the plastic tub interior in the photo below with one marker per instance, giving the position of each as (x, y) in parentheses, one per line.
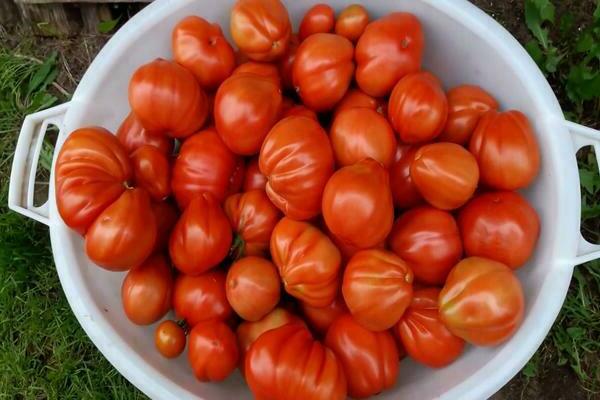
(463, 45)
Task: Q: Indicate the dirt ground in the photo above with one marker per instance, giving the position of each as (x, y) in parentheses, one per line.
(552, 381)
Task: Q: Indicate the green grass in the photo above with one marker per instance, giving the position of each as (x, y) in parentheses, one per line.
(44, 353)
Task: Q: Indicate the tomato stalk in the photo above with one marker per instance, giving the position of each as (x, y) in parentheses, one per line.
(237, 248)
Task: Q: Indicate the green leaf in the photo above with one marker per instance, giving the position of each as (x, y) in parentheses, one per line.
(567, 21)
(589, 180)
(552, 59)
(530, 369)
(576, 332)
(108, 25)
(536, 13)
(534, 50)
(585, 42)
(45, 74)
(582, 83)
(596, 14)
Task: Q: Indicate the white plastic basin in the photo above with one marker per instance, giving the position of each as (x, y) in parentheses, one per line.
(463, 45)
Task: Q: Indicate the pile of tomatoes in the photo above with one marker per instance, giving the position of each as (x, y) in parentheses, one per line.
(313, 207)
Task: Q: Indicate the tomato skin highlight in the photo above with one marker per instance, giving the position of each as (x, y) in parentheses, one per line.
(482, 302)
(169, 339)
(500, 225)
(423, 335)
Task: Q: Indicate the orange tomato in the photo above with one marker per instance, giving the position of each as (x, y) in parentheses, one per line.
(261, 28)
(212, 351)
(466, 105)
(320, 18)
(482, 301)
(361, 191)
(323, 70)
(308, 262)
(422, 333)
(264, 70)
(404, 191)
(359, 133)
(91, 172)
(253, 217)
(445, 174)
(297, 159)
(287, 63)
(132, 135)
(124, 234)
(273, 371)
(428, 239)
(253, 179)
(252, 287)
(146, 291)
(201, 47)
(418, 108)
(502, 226)
(377, 288)
(369, 359)
(152, 171)
(321, 318)
(246, 107)
(389, 48)
(355, 98)
(167, 98)
(351, 22)
(506, 149)
(204, 164)
(169, 339)
(166, 216)
(201, 298)
(201, 238)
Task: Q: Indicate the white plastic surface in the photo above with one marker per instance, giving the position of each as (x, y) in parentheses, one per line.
(463, 45)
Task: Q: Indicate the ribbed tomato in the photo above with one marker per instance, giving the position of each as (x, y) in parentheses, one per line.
(263, 70)
(167, 98)
(356, 98)
(253, 178)
(321, 318)
(201, 47)
(133, 135)
(202, 237)
(152, 171)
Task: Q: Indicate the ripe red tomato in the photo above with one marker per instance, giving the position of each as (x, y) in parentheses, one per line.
(273, 370)
(169, 339)
(253, 217)
(445, 174)
(506, 149)
(264, 70)
(132, 135)
(166, 98)
(321, 318)
(482, 301)
(204, 164)
(253, 287)
(201, 238)
(502, 226)
(323, 70)
(152, 171)
(246, 107)
(287, 63)
(201, 47)
(124, 234)
(359, 133)
(261, 28)
(369, 359)
(297, 159)
(91, 172)
(320, 18)
(377, 288)
(253, 178)
(248, 332)
(404, 191)
(466, 105)
(389, 48)
(308, 262)
(146, 291)
(299, 111)
(418, 108)
(352, 21)
(362, 191)
(428, 239)
(166, 216)
(355, 98)
(201, 298)
(422, 333)
(212, 351)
